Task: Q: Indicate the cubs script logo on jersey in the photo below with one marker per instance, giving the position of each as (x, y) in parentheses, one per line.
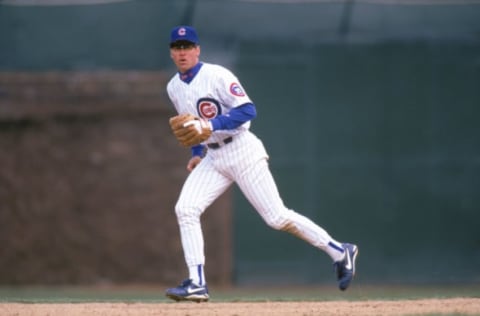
(208, 108)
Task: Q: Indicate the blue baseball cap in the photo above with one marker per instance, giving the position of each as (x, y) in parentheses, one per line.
(184, 33)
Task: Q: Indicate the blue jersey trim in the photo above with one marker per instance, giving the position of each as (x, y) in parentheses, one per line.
(188, 75)
(236, 117)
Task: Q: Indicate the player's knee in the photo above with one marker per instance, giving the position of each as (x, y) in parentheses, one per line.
(277, 222)
(282, 220)
(284, 224)
(186, 214)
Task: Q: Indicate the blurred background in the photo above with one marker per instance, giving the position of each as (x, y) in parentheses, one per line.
(368, 109)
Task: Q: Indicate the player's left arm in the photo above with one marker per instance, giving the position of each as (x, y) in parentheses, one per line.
(236, 117)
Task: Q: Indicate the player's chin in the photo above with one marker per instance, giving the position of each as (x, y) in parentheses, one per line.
(183, 67)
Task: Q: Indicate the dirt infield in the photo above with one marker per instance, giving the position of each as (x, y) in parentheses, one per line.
(458, 306)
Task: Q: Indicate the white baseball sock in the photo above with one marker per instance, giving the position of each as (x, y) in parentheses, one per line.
(197, 274)
(335, 250)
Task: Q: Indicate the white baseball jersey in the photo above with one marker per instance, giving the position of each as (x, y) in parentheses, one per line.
(213, 91)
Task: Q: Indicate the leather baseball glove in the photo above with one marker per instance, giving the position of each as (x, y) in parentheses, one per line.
(190, 130)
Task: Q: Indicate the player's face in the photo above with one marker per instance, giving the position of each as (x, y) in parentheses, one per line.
(185, 56)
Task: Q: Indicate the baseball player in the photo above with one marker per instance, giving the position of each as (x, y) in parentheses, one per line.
(215, 114)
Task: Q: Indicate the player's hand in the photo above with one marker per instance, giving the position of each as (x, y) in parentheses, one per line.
(190, 130)
(193, 162)
(200, 125)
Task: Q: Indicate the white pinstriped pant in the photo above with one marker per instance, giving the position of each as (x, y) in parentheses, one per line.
(245, 162)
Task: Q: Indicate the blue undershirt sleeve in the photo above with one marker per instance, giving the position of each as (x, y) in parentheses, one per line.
(233, 119)
(236, 117)
(197, 150)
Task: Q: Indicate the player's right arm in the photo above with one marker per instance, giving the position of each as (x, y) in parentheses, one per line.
(236, 117)
(193, 162)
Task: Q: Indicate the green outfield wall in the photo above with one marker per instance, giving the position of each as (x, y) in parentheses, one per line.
(369, 111)
(379, 144)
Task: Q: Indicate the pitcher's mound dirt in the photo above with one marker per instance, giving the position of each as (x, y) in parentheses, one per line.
(460, 306)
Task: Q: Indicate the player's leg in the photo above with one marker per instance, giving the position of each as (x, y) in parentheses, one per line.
(203, 185)
(260, 189)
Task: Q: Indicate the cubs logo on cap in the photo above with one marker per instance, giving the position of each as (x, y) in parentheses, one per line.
(184, 33)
